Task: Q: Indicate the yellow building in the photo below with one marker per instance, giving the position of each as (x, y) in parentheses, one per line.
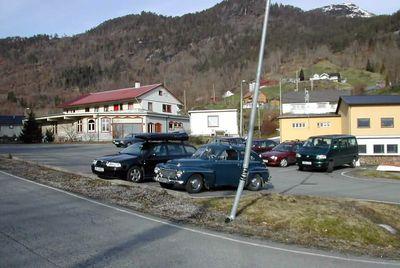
(374, 120)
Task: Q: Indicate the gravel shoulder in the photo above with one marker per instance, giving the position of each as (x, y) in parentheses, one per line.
(341, 225)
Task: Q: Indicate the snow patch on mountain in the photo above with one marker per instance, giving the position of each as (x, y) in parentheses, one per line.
(348, 9)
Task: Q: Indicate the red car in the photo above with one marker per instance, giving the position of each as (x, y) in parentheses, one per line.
(262, 146)
(282, 155)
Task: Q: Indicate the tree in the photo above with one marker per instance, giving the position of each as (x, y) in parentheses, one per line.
(31, 131)
(369, 67)
(49, 136)
(301, 76)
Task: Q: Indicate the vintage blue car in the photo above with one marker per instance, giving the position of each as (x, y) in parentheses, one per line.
(212, 165)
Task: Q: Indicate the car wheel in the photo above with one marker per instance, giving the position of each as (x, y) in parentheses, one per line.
(255, 183)
(194, 184)
(330, 167)
(353, 163)
(301, 168)
(135, 174)
(284, 162)
(166, 185)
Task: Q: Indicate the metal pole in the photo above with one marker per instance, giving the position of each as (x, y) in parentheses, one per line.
(241, 108)
(249, 142)
(280, 96)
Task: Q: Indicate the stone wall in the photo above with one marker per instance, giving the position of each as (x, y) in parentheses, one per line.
(378, 160)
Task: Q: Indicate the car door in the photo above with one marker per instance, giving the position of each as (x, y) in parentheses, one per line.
(292, 154)
(227, 168)
(158, 154)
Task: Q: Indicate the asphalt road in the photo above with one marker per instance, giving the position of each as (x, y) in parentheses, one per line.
(78, 157)
(44, 227)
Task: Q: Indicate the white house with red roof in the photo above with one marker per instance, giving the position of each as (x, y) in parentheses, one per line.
(102, 116)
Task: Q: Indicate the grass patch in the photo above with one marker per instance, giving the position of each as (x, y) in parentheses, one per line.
(375, 174)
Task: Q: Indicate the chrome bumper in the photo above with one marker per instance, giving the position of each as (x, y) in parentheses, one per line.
(158, 178)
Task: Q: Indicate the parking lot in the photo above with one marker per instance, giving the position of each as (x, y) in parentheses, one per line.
(78, 157)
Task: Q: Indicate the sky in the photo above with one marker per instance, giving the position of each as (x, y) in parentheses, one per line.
(68, 17)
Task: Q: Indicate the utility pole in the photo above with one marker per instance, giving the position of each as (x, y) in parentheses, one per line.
(297, 81)
(241, 109)
(214, 92)
(249, 142)
(280, 96)
(184, 101)
(312, 84)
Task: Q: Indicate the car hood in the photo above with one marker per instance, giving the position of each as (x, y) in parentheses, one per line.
(313, 151)
(118, 157)
(185, 162)
(275, 153)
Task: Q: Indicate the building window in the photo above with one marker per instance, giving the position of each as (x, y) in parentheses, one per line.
(363, 123)
(87, 109)
(130, 106)
(105, 125)
(379, 149)
(299, 125)
(362, 149)
(121, 107)
(213, 121)
(166, 108)
(160, 93)
(392, 149)
(387, 122)
(171, 126)
(91, 125)
(323, 124)
(150, 106)
(116, 107)
(96, 109)
(150, 127)
(79, 126)
(106, 108)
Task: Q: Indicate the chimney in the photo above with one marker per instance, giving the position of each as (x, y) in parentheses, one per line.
(137, 84)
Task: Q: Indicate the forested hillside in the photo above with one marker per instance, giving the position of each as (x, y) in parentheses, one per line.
(196, 52)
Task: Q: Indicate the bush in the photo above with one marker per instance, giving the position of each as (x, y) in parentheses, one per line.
(49, 136)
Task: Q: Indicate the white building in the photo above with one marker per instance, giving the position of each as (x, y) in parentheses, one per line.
(214, 122)
(102, 116)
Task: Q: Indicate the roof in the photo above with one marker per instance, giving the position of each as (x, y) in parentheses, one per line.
(286, 116)
(9, 120)
(213, 111)
(335, 136)
(326, 95)
(369, 100)
(110, 96)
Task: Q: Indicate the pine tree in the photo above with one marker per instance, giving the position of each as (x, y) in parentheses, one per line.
(301, 76)
(31, 131)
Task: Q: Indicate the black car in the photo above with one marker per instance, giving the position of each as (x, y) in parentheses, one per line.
(127, 140)
(137, 162)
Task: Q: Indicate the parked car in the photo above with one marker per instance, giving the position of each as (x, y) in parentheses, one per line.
(137, 162)
(229, 140)
(212, 165)
(328, 152)
(262, 146)
(283, 154)
(127, 140)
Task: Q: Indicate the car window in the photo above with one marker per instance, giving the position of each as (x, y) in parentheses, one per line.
(190, 149)
(206, 152)
(229, 154)
(318, 142)
(136, 149)
(160, 150)
(352, 142)
(175, 149)
(343, 143)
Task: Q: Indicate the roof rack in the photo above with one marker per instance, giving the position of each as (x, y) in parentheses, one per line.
(177, 136)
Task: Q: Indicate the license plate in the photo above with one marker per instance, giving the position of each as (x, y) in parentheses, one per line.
(99, 169)
(306, 163)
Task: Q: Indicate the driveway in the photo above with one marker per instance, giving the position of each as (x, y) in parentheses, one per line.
(78, 157)
(52, 228)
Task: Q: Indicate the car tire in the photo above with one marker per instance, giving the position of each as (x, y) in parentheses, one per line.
(194, 184)
(330, 167)
(255, 183)
(353, 163)
(301, 168)
(135, 174)
(166, 185)
(283, 163)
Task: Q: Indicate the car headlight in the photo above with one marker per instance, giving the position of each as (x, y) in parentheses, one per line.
(274, 157)
(298, 155)
(321, 156)
(156, 170)
(114, 165)
(179, 173)
(94, 162)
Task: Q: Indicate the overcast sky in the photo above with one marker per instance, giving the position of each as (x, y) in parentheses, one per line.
(68, 17)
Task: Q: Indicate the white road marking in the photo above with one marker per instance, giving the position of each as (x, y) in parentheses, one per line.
(298, 252)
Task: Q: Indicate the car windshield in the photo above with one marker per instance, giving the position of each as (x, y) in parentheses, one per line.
(206, 152)
(138, 148)
(318, 142)
(283, 147)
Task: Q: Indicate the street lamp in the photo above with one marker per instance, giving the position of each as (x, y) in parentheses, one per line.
(241, 108)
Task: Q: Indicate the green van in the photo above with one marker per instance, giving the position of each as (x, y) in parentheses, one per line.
(327, 152)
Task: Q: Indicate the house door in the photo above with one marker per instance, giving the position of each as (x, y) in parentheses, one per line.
(158, 128)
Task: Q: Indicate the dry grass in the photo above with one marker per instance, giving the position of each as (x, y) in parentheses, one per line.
(328, 223)
(375, 174)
